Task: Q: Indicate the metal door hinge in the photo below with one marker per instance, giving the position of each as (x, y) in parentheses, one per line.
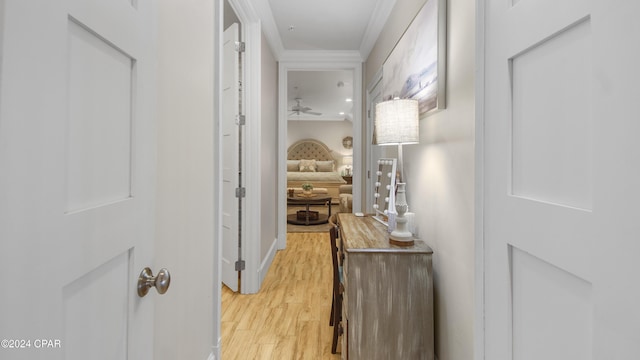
(241, 192)
(240, 119)
(369, 114)
(240, 46)
(240, 265)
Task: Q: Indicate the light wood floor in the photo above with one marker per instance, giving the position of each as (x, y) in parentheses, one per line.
(289, 317)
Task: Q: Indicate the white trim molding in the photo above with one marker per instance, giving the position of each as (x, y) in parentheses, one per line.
(268, 260)
(269, 27)
(374, 28)
(370, 161)
(479, 320)
(320, 56)
(217, 176)
(252, 36)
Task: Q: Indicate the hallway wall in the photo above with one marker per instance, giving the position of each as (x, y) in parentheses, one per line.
(440, 174)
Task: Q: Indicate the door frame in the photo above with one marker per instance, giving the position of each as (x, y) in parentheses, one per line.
(251, 35)
(479, 322)
(317, 61)
(374, 89)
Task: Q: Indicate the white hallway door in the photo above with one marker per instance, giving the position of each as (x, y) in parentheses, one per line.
(232, 201)
(77, 171)
(562, 181)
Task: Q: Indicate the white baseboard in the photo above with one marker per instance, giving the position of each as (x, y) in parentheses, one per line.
(266, 263)
(215, 352)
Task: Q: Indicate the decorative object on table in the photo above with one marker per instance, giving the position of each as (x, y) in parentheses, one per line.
(397, 123)
(416, 67)
(347, 161)
(383, 190)
(307, 188)
(347, 142)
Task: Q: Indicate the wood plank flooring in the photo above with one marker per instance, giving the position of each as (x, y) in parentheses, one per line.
(289, 317)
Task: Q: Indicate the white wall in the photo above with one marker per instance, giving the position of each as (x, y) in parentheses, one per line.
(269, 150)
(184, 327)
(330, 133)
(440, 175)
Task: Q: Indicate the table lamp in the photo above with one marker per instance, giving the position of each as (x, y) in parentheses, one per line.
(348, 161)
(397, 123)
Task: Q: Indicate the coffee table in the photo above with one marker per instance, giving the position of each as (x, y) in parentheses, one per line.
(309, 217)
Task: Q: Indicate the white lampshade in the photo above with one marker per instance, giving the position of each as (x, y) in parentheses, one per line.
(397, 122)
(347, 160)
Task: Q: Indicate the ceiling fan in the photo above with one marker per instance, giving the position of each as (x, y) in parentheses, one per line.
(298, 109)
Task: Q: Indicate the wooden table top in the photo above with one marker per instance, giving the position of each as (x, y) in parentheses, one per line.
(365, 234)
(317, 198)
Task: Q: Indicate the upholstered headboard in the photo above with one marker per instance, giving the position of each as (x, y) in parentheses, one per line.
(309, 149)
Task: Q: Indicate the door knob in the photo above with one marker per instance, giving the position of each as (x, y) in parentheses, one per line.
(146, 280)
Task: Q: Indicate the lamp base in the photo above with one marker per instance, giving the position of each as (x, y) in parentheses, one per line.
(401, 238)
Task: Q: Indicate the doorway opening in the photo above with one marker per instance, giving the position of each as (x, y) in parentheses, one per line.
(312, 97)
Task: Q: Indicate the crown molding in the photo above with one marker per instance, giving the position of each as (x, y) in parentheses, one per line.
(263, 10)
(320, 56)
(376, 23)
(244, 9)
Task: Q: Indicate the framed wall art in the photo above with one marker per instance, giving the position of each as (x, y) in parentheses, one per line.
(416, 67)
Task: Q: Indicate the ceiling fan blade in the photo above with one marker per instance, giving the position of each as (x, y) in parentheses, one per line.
(298, 108)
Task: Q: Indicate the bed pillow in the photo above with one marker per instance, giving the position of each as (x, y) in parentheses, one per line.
(325, 166)
(293, 165)
(307, 165)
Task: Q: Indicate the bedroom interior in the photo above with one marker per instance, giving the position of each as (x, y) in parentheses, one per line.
(320, 144)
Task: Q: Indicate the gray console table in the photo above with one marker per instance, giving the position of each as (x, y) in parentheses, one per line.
(388, 297)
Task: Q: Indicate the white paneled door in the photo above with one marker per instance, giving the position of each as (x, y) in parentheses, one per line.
(77, 170)
(561, 182)
(231, 159)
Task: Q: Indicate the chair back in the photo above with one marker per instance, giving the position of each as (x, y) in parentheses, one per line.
(333, 235)
(336, 302)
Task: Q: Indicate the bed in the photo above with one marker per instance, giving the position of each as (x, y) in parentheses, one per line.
(311, 161)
